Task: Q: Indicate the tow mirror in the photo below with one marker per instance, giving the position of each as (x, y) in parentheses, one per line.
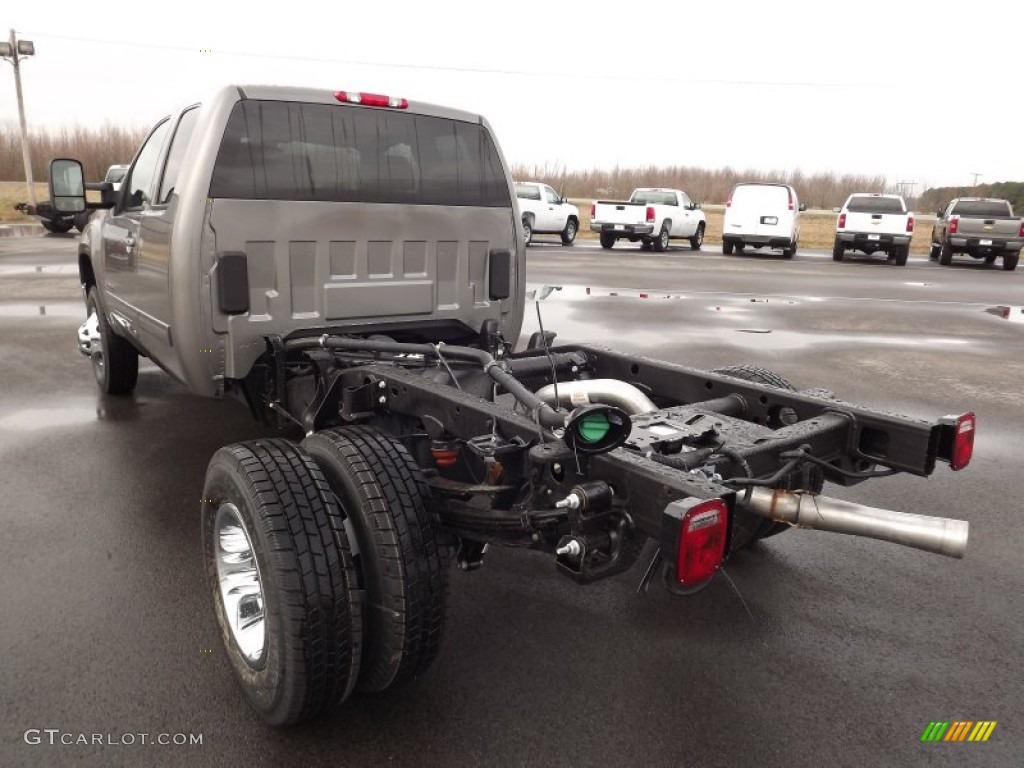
(67, 185)
(803, 206)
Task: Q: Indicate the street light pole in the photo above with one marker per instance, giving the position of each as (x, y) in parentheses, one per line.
(16, 50)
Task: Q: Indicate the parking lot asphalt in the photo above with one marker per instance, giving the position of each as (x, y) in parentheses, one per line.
(818, 650)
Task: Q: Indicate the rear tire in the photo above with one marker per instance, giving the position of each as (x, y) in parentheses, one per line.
(115, 362)
(900, 255)
(662, 240)
(57, 226)
(284, 586)
(398, 550)
(569, 233)
(698, 238)
(748, 527)
(790, 251)
(1010, 261)
(727, 247)
(527, 230)
(945, 255)
(838, 250)
(607, 241)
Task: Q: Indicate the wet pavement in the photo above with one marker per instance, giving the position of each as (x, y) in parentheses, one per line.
(823, 650)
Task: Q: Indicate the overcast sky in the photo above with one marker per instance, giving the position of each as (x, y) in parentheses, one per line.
(925, 92)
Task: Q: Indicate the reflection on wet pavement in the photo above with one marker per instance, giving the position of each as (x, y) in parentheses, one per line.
(54, 309)
(1013, 314)
(597, 314)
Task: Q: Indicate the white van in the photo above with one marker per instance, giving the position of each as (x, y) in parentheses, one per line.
(762, 215)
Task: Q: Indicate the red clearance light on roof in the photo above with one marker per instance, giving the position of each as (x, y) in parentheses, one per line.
(954, 222)
(963, 441)
(371, 99)
(910, 223)
(694, 537)
(842, 220)
(650, 213)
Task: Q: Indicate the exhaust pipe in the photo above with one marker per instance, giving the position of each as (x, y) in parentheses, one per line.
(932, 534)
(608, 391)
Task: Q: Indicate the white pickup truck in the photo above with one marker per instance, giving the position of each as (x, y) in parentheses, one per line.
(874, 222)
(651, 215)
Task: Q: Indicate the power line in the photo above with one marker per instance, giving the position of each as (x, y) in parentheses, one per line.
(474, 70)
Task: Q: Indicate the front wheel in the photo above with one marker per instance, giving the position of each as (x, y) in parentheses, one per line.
(607, 241)
(284, 586)
(115, 363)
(698, 238)
(1010, 261)
(569, 233)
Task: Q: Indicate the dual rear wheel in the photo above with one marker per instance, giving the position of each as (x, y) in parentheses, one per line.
(326, 566)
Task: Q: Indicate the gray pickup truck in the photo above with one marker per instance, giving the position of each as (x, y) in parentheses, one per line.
(351, 267)
(981, 227)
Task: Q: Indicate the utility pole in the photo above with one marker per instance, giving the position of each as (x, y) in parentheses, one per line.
(15, 50)
(976, 177)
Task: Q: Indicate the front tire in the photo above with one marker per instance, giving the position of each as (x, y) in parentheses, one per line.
(569, 233)
(115, 362)
(698, 238)
(284, 585)
(607, 241)
(400, 555)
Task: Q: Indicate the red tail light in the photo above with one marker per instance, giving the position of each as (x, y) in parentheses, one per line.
(371, 99)
(910, 223)
(728, 203)
(842, 220)
(790, 193)
(953, 224)
(650, 213)
(694, 537)
(963, 442)
(593, 209)
(1021, 233)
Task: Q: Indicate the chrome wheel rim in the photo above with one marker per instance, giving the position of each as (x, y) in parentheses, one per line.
(241, 588)
(571, 230)
(90, 340)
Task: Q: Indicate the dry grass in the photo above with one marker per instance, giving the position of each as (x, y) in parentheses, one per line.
(817, 228)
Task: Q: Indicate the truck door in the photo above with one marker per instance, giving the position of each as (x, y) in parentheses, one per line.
(149, 290)
(553, 220)
(687, 218)
(122, 230)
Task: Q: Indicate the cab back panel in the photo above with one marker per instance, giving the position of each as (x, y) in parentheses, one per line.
(316, 265)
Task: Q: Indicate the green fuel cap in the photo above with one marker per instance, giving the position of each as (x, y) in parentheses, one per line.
(594, 427)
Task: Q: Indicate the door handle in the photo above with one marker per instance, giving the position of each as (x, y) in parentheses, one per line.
(129, 241)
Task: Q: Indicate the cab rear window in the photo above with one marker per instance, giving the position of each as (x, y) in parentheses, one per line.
(982, 208)
(869, 204)
(275, 150)
(527, 191)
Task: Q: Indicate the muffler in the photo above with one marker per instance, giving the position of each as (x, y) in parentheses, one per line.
(804, 510)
